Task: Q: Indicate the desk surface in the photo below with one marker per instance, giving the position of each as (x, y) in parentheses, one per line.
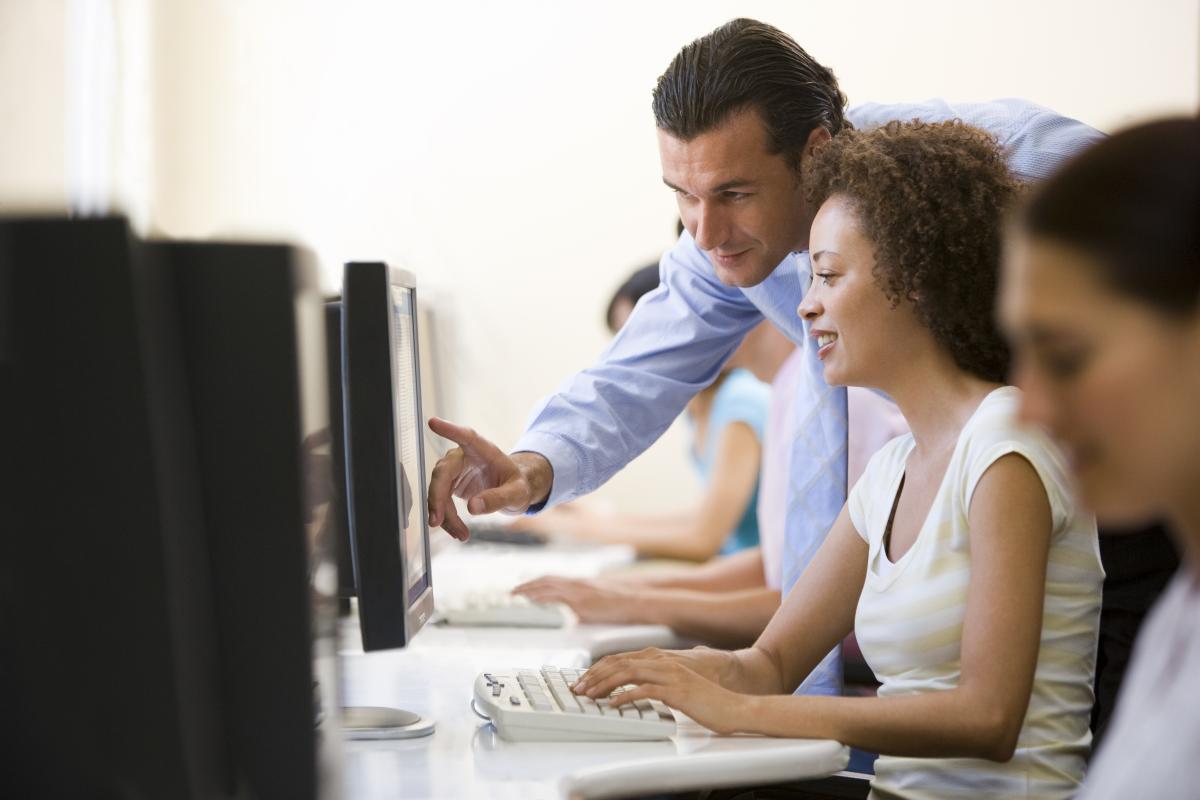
(465, 758)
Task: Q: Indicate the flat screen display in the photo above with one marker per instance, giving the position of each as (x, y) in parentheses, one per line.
(408, 439)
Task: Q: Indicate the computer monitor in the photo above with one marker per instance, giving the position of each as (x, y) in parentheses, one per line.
(384, 457)
(252, 344)
(162, 596)
(386, 531)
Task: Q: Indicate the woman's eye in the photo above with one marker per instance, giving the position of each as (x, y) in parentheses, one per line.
(1066, 364)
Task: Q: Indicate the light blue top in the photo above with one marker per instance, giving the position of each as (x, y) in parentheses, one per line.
(679, 335)
(741, 397)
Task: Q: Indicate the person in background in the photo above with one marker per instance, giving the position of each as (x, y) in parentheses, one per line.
(960, 558)
(726, 420)
(1101, 301)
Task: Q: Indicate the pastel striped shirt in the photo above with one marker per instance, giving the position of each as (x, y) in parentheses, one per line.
(910, 618)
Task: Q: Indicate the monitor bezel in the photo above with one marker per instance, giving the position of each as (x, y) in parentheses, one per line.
(390, 614)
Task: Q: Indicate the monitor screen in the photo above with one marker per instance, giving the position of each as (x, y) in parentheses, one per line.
(407, 413)
(382, 449)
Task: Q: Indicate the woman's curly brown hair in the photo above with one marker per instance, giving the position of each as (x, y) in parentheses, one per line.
(930, 197)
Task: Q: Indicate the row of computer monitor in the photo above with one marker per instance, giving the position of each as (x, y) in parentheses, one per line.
(200, 453)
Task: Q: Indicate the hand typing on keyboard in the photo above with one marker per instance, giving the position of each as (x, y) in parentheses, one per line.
(667, 677)
(539, 705)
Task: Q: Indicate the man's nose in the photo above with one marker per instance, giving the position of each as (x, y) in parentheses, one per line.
(712, 228)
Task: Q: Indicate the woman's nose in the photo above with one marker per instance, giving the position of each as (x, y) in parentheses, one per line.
(810, 306)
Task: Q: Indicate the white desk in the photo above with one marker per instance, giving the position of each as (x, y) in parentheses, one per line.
(465, 759)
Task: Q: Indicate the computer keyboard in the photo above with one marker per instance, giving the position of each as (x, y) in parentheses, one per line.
(492, 533)
(497, 608)
(538, 705)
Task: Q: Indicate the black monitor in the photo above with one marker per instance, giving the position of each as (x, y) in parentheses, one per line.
(384, 457)
(163, 613)
(382, 467)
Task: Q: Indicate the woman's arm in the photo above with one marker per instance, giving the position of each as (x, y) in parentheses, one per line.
(1010, 526)
(815, 616)
(695, 535)
(724, 619)
(731, 573)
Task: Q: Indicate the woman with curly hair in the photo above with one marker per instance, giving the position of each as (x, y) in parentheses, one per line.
(970, 577)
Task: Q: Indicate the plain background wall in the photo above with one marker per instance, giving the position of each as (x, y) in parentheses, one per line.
(32, 80)
(505, 153)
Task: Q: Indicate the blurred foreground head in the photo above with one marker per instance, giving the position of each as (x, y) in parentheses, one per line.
(1101, 300)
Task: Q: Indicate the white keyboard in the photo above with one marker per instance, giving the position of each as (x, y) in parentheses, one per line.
(538, 705)
(502, 609)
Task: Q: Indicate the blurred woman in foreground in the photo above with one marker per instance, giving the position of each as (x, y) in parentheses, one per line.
(1101, 300)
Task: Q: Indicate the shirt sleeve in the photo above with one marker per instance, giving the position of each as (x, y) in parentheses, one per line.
(988, 446)
(671, 347)
(742, 398)
(1036, 140)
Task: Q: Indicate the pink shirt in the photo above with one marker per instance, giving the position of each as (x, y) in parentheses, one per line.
(874, 421)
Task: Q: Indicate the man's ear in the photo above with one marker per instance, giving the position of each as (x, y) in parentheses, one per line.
(817, 137)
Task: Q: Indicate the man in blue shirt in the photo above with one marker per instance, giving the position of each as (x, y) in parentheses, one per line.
(738, 112)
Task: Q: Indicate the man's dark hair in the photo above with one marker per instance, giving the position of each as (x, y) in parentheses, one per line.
(1130, 203)
(746, 64)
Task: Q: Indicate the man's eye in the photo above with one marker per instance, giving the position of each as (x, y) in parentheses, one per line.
(736, 195)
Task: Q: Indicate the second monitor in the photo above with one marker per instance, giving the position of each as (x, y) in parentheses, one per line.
(383, 456)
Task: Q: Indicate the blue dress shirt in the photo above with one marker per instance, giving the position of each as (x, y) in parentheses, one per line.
(680, 334)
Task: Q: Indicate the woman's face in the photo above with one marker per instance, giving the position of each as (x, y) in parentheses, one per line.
(861, 338)
(1113, 380)
(622, 307)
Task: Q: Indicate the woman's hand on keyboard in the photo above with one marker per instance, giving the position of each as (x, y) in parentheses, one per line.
(592, 601)
(673, 682)
(602, 677)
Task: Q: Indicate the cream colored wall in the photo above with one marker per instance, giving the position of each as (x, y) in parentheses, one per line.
(32, 105)
(505, 152)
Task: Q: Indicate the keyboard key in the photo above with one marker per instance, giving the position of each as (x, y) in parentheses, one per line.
(588, 704)
(566, 699)
(663, 712)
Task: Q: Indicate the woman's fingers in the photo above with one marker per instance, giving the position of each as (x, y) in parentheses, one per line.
(622, 671)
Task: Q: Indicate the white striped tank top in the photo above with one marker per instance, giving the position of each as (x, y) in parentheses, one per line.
(909, 621)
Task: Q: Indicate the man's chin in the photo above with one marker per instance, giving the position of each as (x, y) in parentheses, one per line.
(742, 276)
